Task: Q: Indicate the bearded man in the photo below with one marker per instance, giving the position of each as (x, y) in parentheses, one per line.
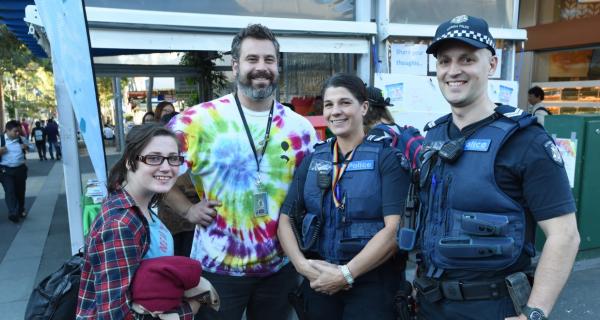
(241, 151)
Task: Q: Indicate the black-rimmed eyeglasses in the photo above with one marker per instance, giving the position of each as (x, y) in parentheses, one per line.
(156, 160)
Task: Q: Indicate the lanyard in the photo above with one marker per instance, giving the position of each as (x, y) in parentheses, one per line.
(338, 172)
(267, 132)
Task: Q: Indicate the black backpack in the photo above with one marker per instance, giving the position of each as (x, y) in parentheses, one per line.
(55, 297)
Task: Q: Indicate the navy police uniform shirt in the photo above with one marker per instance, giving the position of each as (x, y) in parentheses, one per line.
(394, 183)
(528, 169)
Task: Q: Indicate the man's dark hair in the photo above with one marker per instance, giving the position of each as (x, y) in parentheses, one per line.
(537, 91)
(256, 31)
(12, 124)
(37, 124)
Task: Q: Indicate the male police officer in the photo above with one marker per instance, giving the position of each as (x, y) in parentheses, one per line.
(489, 173)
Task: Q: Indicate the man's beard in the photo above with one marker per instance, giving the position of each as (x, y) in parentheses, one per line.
(256, 93)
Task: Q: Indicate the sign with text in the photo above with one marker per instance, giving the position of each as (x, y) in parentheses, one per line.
(409, 59)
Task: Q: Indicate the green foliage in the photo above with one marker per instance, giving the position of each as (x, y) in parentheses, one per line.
(31, 91)
(106, 95)
(209, 79)
(27, 82)
(13, 54)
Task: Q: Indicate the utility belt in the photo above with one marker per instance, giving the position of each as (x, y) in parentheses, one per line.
(434, 290)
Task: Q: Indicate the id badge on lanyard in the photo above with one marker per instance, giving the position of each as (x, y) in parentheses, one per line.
(261, 205)
(260, 197)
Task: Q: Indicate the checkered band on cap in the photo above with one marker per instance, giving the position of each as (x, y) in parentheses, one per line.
(457, 33)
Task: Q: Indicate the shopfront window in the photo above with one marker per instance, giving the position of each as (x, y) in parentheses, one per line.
(570, 80)
(572, 65)
(303, 75)
(498, 13)
(342, 10)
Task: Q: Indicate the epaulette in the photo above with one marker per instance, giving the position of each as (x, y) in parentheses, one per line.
(378, 138)
(437, 122)
(517, 115)
(324, 142)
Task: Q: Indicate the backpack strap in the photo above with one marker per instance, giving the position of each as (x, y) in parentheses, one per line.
(542, 109)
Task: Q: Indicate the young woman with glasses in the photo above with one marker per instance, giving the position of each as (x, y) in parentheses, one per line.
(128, 230)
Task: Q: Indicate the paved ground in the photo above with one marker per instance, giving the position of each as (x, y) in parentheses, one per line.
(38, 246)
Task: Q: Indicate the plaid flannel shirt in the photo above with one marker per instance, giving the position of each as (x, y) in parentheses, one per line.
(115, 246)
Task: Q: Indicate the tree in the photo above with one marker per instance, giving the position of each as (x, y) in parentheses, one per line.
(25, 81)
(13, 55)
(209, 80)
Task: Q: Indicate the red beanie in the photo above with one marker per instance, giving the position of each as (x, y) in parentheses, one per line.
(159, 283)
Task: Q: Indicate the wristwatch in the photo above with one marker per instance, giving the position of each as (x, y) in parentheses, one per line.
(533, 313)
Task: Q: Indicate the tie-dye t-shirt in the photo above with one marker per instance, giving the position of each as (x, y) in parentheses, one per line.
(222, 166)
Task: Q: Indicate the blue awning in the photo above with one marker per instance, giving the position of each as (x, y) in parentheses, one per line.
(12, 13)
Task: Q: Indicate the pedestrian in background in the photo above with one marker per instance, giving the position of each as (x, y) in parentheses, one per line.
(38, 135)
(535, 97)
(52, 137)
(162, 109)
(13, 171)
(148, 117)
(24, 127)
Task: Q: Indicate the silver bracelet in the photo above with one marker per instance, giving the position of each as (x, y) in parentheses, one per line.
(346, 273)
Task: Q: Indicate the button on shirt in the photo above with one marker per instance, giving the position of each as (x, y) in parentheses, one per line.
(13, 157)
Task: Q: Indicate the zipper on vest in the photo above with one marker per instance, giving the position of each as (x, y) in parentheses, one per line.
(444, 210)
(430, 232)
(445, 189)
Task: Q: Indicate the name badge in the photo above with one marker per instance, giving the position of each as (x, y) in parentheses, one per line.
(361, 165)
(478, 145)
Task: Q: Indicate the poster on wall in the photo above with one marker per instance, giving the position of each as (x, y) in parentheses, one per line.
(409, 59)
(418, 100)
(502, 91)
(568, 151)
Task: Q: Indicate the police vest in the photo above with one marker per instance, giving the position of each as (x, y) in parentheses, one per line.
(345, 230)
(470, 223)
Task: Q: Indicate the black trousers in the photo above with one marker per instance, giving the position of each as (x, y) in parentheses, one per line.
(52, 145)
(13, 182)
(370, 298)
(263, 298)
(41, 149)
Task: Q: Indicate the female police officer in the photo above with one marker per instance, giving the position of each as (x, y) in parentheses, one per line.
(342, 210)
